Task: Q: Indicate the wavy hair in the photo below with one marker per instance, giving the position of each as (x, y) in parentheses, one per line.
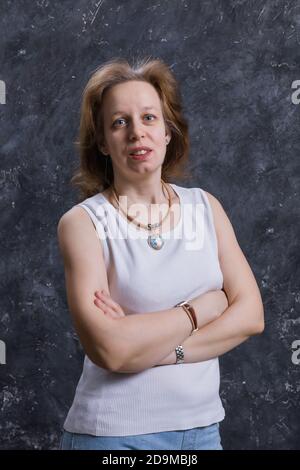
(95, 171)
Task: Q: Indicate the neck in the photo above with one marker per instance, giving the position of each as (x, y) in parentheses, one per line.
(142, 193)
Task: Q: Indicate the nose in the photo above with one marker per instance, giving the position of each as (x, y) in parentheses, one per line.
(135, 130)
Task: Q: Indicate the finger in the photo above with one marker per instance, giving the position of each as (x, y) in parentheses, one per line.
(109, 302)
(97, 303)
(111, 312)
(106, 298)
(105, 308)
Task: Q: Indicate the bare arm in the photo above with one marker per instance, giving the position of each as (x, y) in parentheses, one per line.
(208, 307)
(243, 317)
(107, 341)
(143, 339)
(85, 272)
(211, 340)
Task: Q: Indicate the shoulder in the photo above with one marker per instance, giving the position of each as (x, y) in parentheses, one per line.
(227, 241)
(76, 234)
(214, 202)
(75, 215)
(75, 224)
(221, 219)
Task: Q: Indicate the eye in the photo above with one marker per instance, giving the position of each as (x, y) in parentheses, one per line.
(119, 119)
(150, 115)
(122, 119)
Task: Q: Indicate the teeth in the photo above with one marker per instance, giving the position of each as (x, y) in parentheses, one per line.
(140, 152)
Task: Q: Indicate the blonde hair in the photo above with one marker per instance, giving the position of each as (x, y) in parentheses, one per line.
(92, 175)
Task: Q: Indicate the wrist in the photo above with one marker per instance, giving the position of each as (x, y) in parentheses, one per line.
(198, 307)
(190, 311)
(205, 308)
(170, 359)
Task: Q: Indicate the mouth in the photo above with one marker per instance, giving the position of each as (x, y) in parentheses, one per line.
(141, 157)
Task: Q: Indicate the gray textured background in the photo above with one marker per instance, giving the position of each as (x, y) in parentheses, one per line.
(235, 62)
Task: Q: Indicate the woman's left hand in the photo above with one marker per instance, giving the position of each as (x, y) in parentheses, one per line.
(108, 306)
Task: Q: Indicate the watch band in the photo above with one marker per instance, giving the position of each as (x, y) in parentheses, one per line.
(179, 354)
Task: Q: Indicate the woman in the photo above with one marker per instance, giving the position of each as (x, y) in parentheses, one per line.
(134, 249)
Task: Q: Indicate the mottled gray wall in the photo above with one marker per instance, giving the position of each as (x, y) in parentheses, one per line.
(236, 62)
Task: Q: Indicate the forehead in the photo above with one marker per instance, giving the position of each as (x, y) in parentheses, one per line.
(131, 95)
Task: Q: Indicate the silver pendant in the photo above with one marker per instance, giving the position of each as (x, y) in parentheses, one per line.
(155, 241)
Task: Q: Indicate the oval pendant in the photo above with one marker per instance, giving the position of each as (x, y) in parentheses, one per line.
(155, 241)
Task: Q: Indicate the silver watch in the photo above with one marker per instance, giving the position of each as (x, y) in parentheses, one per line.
(179, 354)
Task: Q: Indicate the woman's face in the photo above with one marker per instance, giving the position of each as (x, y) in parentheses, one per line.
(127, 124)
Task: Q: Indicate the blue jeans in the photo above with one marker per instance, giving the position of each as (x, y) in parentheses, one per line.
(201, 438)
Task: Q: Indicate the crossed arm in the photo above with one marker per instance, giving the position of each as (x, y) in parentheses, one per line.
(216, 338)
(244, 316)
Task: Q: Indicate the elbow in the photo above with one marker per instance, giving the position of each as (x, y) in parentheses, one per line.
(107, 365)
(112, 356)
(257, 329)
(122, 366)
(125, 363)
(258, 326)
(104, 361)
(98, 360)
(112, 364)
(114, 367)
(115, 360)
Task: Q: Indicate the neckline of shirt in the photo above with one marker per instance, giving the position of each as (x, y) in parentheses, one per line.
(132, 226)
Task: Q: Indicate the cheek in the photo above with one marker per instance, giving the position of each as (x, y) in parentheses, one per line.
(159, 136)
(117, 144)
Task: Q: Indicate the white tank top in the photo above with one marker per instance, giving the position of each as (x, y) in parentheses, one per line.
(141, 279)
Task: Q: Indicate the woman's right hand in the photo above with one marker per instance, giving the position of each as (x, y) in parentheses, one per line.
(209, 306)
(109, 307)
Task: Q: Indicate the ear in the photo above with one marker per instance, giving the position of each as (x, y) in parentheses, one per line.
(102, 147)
(104, 150)
(168, 133)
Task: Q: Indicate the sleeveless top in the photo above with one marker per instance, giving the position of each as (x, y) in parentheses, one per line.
(141, 279)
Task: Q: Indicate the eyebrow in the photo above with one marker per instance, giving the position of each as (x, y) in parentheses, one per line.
(123, 112)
